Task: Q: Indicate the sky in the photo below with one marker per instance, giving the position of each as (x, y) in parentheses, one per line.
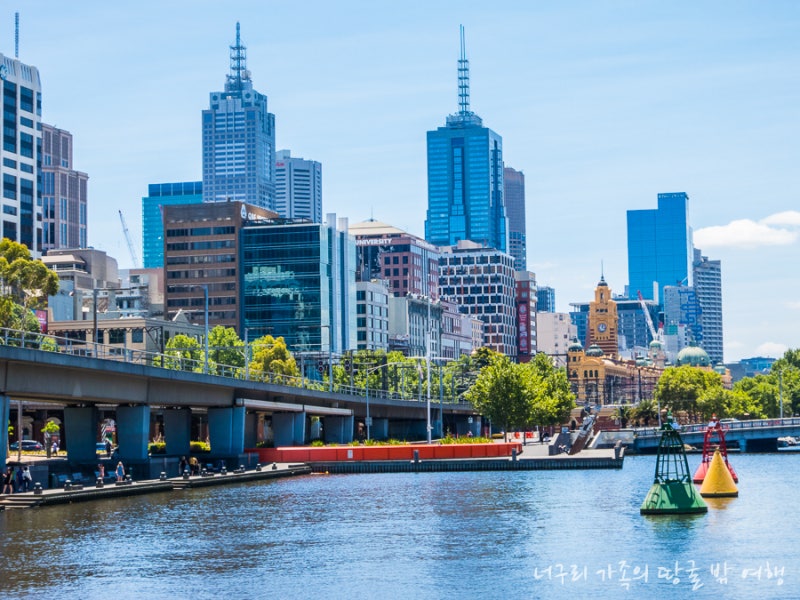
(602, 105)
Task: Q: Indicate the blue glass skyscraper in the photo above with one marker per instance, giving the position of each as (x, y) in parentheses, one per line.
(159, 196)
(659, 247)
(465, 177)
(239, 140)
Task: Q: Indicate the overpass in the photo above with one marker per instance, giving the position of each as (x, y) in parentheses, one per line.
(133, 387)
(758, 435)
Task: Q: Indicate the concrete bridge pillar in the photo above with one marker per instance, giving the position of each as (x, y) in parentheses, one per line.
(80, 432)
(743, 444)
(177, 431)
(251, 424)
(133, 429)
(379, 429)
(226, 430)
(5, 404)
(338, 429)
(289, 429)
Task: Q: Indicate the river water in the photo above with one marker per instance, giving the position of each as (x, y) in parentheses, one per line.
(531, 534)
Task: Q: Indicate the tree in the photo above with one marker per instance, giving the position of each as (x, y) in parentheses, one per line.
(25, 284)
(551, 397)
(763, 392)
(270, 356)
(500, 394)
(645, 412)
(225, 347)
(679, 388)
(183, 353)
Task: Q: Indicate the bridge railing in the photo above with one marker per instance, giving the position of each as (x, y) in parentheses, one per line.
(727, 426)
(176, 362)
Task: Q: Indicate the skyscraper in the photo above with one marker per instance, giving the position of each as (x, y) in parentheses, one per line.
(514, 194)
(659, 247)
(298, 187)
(465, 177)
(22, 139)
(159, 196)
(708, 287)
(64, 208)
(239, 140)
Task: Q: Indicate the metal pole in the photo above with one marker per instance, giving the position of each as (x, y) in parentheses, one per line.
(780, 389)
(205, 297)
(19, 431)
(94, 321)
(246, 355)
(368, 420)
(330, 359)
(428, 362)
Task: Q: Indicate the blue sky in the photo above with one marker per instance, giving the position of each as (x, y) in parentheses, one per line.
(602, 104)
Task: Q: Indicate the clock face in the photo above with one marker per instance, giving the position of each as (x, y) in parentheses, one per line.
(3, 72)
(601, 327)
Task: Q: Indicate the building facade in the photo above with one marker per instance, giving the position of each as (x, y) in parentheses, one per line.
(298, 187)
(22, 139)
(158, 196)
(708, 286)
(201, 259)
(514, 195)
(481, 280)
(545, 299)
(465, 177)
(239, 140)
(372, 315)
(659, 247)
(408, 263)
(554, 334)
(417, 320)
(603, 320)
(298, 282)
(526, 314)
(64, 193)
(458, 332)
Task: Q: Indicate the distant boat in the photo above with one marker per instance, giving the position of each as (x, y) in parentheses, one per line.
(788, 444)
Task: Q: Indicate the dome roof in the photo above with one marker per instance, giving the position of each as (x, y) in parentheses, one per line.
(594, 350)
(693, 356)
(656, 345)
(575, 346)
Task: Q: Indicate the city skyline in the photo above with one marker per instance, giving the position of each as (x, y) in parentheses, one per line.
(602, 106)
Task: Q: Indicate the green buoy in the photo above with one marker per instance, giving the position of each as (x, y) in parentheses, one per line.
(672, 492)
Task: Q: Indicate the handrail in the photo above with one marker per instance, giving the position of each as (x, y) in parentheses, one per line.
(728, 426)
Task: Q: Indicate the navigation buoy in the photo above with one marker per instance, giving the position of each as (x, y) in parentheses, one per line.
(714, 429)
(672, 492)
(718, 482)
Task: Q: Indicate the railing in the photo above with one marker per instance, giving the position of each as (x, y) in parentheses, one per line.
(172, 362)
(727, 426)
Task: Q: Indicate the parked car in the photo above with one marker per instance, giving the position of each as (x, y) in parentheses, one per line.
(27, 445)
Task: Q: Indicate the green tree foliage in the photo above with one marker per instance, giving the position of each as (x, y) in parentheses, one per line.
(25, 284)
(225, 347)
(645, 413)
(518, 396)
(269, 356)
(183, 353)
(679, 388)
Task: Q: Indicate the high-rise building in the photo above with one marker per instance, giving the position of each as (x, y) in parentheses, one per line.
(372, 308)
(682, 321)
(546, 299)
(554, 333)
(603, 320)
(22, 139)
(481, 281)
(159, 196)
(708, 287)
(659, 247)
(408, 263)
(298, 282)
(239, 140)
(465, 177)
(64, 208)
(298, 187)
(514, 195)
(526, 315)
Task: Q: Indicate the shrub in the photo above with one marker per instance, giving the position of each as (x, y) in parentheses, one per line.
(157, 448)
(317, 443)
(265, 444)
(198, 446)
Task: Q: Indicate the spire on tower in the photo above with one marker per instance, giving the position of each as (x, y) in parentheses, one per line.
(239, 72)
(463, 78)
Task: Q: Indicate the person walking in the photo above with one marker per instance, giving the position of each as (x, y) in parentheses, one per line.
(183, 465)
(120, 471)
(108, 448)
(27, 479)
(6, 481)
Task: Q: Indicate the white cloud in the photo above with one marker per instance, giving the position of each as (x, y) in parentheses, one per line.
(780, 229)
(771, 349)
(793, 305)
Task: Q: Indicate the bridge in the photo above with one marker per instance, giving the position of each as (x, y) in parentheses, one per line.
(758, 435)
(85, 381)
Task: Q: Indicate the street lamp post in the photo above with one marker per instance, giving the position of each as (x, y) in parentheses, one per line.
(205, 301)
(367, 372)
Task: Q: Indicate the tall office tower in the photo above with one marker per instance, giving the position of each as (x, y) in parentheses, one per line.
(481, 280)
(545, 299)
(465, 177)
(526, 314)
(708, 287)
(659, 247)
(298, 187)
(22, 115)
(158, 196)
(514, 194)
(64, 206)
(408, 263)
(299, 283)
(239, 140)
(682, 321)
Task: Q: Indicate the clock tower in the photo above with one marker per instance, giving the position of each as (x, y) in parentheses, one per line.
(603, 320)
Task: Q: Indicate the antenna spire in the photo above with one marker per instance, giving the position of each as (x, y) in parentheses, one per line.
(463, 77)
(239, 71)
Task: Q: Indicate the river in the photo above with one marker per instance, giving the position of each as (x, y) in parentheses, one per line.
(526, 534)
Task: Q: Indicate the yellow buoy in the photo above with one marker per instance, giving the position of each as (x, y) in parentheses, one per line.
(718, 482)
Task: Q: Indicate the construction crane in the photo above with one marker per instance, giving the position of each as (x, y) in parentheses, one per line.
(648, 318)
(131, 249)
